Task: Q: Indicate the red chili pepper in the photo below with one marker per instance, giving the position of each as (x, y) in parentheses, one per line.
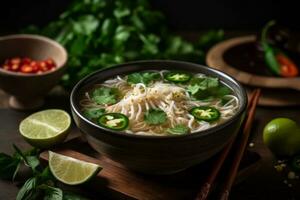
(287, 67)
(26, 61)
(15, 61)
(14, 67)
(26, 65)
(26, 69)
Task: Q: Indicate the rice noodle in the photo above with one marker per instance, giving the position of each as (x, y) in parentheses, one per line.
(172, 98)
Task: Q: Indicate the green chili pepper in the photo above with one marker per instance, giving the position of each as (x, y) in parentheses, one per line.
(270, 54)
(205, 113)
(177, 77)
(278, 62)
(114, 121)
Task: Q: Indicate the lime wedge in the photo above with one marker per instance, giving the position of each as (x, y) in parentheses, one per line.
(71, 171)
(45, 128)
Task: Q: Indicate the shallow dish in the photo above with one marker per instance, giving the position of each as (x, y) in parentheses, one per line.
(157, 154)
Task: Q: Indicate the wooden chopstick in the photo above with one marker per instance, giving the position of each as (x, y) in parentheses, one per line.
(241, 148)
(205, 189)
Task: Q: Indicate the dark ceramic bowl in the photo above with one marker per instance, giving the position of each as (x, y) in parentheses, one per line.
(157, 154)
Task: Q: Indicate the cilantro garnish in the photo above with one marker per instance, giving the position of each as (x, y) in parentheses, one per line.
(155, 117)
(143, 77)
(178, 129)
(105, 95)
(93, 113)
(207, 87)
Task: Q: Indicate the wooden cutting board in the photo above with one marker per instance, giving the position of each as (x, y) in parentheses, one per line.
(117, 182)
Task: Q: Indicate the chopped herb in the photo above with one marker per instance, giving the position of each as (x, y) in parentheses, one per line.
(155, 117)
(93, 113)
(105, 95)
(178, 129)
(207, 87)
(144, 77)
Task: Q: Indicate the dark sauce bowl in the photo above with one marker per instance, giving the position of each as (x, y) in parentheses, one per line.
(157, 154)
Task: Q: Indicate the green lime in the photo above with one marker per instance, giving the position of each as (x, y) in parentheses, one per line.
(45, 128)
(282, 136)
(71, 171)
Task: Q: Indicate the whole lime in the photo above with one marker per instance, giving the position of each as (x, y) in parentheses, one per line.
(282, 136)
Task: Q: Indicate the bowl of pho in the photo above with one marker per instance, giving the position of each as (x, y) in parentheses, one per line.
(158, 116)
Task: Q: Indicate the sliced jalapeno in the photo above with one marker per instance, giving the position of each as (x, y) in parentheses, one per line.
(205, 113)
(114, 121)
(296, 163)
(177, 77)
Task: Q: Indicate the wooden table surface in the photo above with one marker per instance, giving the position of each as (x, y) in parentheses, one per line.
(266, 183)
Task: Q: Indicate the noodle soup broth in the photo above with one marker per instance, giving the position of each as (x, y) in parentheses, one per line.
(159, 103)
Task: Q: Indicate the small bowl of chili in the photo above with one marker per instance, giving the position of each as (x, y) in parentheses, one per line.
(30, 66)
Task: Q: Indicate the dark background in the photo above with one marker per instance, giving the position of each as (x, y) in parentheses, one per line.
(181, 14)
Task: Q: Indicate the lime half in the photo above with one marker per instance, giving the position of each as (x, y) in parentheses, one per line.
(71, 171)
(45, 128)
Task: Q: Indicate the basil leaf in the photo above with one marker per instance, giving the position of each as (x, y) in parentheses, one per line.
(105, 95)
(178, 129)
(155, 117)
(53, 193)
(8, 166)
(28, 190)
(33, 162)
(144, 77)
(93, 113)
(46, 174)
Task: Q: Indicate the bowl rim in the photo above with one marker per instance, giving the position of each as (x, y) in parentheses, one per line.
(40, 38)
(165, 137)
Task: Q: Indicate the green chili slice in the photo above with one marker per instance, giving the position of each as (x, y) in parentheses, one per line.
(114, 121)
(177, 77)
(205, 113)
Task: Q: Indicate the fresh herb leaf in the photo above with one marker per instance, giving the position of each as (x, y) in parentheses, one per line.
(28, 190)
(155, 117)
(178, 129)
(210, 38)
(105, 95)
(117, 31)
(31, 160)
(93, 113)
(8, 166)
(143, 77)
(203, 88)
(52, 193)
